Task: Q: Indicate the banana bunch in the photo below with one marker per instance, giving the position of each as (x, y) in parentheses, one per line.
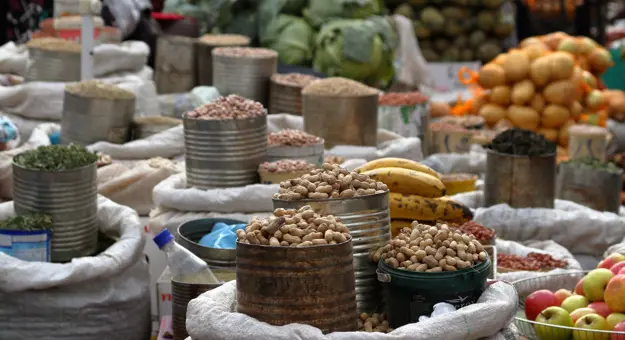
(417, 193)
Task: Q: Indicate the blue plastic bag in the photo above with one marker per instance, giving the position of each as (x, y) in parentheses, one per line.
(222, 236)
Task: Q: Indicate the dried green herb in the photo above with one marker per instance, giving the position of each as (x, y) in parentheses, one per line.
(56, 158)
(595, 164)
(27, 222)
(522, 142)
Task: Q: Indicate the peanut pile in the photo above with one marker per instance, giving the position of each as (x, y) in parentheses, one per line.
(230, 107)
(286, 165)
(373, 323)
(294, 228)
(479, 231)
(333, 159)
(293, 79)
(431, 249)
(331, 181)
(402, 98)
(292, 137)
(338, 87)
(245, 52)
(224, 39)
(98, 90)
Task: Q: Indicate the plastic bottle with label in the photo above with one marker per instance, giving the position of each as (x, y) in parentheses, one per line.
(182, 263)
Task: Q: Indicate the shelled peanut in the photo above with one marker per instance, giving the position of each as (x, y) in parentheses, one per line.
(373, 323)
(331, 181)
(294, 228)
(424, 248)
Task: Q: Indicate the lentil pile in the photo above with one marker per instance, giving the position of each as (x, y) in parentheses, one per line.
(402, 98)
(293, 79)
(230, 107)
(286, 166)
(294, 228)
(292, 137)
(54, 44)
(431, 249)
(245, 52)
(224, 39)
(522, 142)
(338, 87)
(98, 90)
(531, 262)
(331, 181)
(375, 322)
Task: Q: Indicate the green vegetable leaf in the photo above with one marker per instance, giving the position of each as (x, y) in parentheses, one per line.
(28, 222)
(56, 158)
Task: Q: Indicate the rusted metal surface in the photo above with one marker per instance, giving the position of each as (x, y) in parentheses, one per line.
(308, 285)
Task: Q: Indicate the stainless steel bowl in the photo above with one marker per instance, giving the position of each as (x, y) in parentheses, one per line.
(190, 233)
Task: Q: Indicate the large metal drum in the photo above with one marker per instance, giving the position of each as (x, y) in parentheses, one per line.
(224, 153)
(182, 292)
(312, 154)
(595, 188)
(175, 64)
(285, 99)
(307, 285)
(70, 198)
(204, 53)
(52, 66)
(369, 223)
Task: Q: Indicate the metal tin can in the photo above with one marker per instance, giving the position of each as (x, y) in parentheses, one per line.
(312, 154)
(595, 188)
(52, 66)
(451, 141)
(182, 292)
(204, 60)
(285, 99)
(175, 64)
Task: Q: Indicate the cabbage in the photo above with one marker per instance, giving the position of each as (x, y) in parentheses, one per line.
(319, 12)
(362, 50)
(291, 37)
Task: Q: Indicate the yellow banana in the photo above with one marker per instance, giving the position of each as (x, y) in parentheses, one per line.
(419, 208)
(410, 182)
(458, 183)
(393, 162)
(397, 225)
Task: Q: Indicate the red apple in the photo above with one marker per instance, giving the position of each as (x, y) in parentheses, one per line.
(614, 294)
(539, 301)
(611, 260)
(579, 287)
(578, 313)
(620, 327)
(621, 272)
(561, 295)
(618, 267)
(601, 308)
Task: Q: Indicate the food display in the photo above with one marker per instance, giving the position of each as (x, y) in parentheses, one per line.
(333, 159)
(292, 137)
(340, 87)
(483, 234)
(402, 98)
(56, 158)
(54, 44)
(375, 322)
(458, 183)
(283, 170)
(531, 262)
(431, 249)
(615, 100)
(229, 107)
(294, 228)
(98, 90)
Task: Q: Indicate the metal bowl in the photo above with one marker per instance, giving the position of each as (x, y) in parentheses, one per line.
(190, 233)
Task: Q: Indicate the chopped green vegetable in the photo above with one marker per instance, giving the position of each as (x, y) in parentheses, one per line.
(56, 158)
(27, 222)
(595, 163)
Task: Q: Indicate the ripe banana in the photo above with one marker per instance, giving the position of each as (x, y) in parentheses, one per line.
(392, 162)
(419, 208)
(409, 182)
(397, 225)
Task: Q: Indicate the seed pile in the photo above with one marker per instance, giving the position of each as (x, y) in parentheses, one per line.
(402, 98)
(293, 79)
(245, 52)
(54, 44)
(480, 232)
(230, 107)
(331, 181)
(98, 90)
(338, 87)
(522, 143)
(286, 166)
(431, 249)
(56, 158)
(376, 322)
(224, 39)
(294, 228)
(292, 137)
(531, 262)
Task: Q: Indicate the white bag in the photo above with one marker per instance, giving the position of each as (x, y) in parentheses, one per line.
(91, 298)
(165, 144)
(13, 59)
(38, 138)
(413, 71)
(213, 316)
(133, 187)
(473, 162)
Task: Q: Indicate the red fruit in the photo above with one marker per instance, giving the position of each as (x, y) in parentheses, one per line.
(601, 308)
(620, 327)
(617, 267)
(579, 287)
(537, 302)
(622, 272)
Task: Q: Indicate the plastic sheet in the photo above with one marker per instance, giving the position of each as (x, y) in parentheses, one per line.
(223, 236)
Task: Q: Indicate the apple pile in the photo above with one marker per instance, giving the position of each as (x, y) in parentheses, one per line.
(597, 303)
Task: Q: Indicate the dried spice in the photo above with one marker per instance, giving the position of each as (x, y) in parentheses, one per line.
(338, 87)
(28, 222)
(595, 164)
(522, 142)
(56, 158)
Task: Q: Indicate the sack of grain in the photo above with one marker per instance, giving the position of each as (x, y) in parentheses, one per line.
(38, 138)
(165, 144)
(13, 59)
(100, 297)
(132, 187)
(213, 316)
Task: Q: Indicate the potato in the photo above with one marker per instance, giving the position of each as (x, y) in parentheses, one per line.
(540, 71)
(477, 103)
(438, 109)
(522, 92)
(536, 51)
(595, 100)
(550, 134)
(578, 80)
(563, 134)
(523, 117)
(554, 116)
(530, 41)
(491, 75)
(500, 95)
(538, 102)
(560, 92)
(499, 59)
(562, 65)
(589, 79)
(516, 66)
(553, 40)
(576, 110)
(492, 113)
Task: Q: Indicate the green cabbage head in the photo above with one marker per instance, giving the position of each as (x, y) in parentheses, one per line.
(319, 12)
(292, 38)
(362, 50)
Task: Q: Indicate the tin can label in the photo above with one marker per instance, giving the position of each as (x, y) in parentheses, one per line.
(26, 245)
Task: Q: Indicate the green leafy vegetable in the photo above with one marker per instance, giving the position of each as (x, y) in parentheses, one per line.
(27, 222)
(319, 12)
(594, 163)
(292, 38)
(56, 158)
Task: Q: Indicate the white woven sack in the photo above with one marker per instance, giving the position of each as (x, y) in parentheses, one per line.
(38, 138)
(165, 144)
(473, 162)
(91, 298)
(212, 316)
